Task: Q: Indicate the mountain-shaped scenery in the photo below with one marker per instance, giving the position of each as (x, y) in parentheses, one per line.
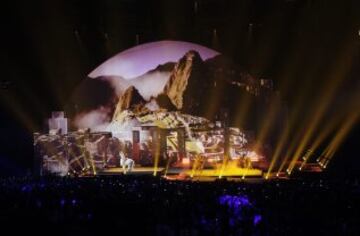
(188, 86)
(130, 100)
(185, 72)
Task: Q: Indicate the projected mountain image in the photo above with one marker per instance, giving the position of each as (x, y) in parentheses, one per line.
(191, 88)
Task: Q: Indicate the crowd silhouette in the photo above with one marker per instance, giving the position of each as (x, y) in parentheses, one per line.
(148, 205)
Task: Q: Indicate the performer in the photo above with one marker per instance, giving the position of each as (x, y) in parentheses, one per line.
(233, 154)
(248, 163)
(126, 163)
(199, 162)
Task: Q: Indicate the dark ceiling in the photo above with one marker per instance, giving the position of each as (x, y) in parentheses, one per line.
(50, 46)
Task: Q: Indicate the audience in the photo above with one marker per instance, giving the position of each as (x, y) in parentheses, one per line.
(147, 205)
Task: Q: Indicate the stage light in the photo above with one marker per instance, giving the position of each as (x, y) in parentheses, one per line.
(267, 124)
(343, 66)
(185, 161)
(14, 105)
(294, 119)
(351, 119)
(289, 151)
(242, 111)
(215, 100)
(344, 130)
(281, 143)
(326, 131)
(215, 40)
(156, 160)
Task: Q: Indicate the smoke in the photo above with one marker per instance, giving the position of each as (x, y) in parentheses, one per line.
(96, 120)
(60, 167)
(149, 84)
(118, 83)
(152, 105)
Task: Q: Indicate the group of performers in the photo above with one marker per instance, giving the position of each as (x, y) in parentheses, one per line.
(214, 152)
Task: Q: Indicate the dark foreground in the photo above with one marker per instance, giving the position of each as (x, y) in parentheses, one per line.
(145, 205)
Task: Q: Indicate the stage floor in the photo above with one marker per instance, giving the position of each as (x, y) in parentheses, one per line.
(137, 170)
(238, 172)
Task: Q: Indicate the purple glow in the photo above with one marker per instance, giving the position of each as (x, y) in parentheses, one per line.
(238, 207)
(257, 219)
(26, 188)
(62, 202)
(138, 60)
(234, 201)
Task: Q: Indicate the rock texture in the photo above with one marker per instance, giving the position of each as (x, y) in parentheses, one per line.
(196, 87)
(189, 65)
(130, 100)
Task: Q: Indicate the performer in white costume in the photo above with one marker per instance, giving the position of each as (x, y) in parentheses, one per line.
(126, 163)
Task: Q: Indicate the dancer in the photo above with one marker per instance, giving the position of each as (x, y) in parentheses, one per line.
(126, 163)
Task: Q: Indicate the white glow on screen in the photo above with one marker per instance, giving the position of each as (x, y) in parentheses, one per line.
(138, 60)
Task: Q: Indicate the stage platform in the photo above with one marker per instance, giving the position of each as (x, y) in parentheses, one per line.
(135, 171)
(239, 172)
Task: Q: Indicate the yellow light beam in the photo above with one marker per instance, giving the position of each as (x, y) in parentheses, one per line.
(325, 132)
(223, 165)
(289, 152)
(14, 105)
(341, 135)
(156, 159)
(242, 111)
(344, 62)
(292, 122)
(282, 141)
(265, 128)
(278, 150)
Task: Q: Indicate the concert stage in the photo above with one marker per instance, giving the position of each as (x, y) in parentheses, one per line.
(154, 124)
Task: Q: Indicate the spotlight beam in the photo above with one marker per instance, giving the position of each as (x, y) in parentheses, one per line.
(324, 102)
(341, 135)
